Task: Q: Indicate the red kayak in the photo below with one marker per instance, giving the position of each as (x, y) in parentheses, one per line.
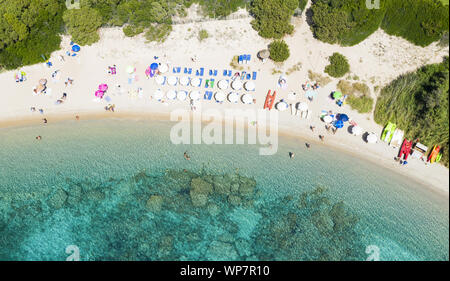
(270, 100)
(405, 150)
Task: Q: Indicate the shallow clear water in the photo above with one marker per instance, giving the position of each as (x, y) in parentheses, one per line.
(89, 183)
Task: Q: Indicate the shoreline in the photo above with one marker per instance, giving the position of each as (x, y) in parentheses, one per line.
(283, 131)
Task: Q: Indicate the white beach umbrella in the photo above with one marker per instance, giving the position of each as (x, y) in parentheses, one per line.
(223, 84)
(236, 85)
(158, 95)
(249, 85)
(196, 82)
(247, 99)
(372, 138)
(184, 81)
(356, 130)
(233, 97)
(182, 95)
(327, 119)
(172, 80)
(159, 79)
(171, 95)
(302, 106)
(163, 68)
(195, 95)
(219, 96)
(282, 106)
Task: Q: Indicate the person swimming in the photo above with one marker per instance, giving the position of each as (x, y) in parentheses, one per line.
(38, 137)
(186, 156)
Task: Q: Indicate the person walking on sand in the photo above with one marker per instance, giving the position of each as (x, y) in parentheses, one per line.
(186, 156)
(45, 120)
(312, 128)
(291, 155)
(321, 137)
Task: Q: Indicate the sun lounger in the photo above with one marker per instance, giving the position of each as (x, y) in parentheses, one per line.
(211, 82)
(178, 69)
(241, 59)
(210, 72)
(174, 70)
(249, 57)
(185, 70)
(208, 95)
(190, 71)
(243, 75)
(202, 71)
(207, 83)
(230, 73)
(215, 72)
(225, 72)
(249, 76)
(254, 75)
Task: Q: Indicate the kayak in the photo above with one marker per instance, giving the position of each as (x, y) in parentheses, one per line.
(388, 132)
(433, 154)
(405, 150)
(270, 100)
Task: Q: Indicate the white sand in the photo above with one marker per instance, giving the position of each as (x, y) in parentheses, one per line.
(376, 61)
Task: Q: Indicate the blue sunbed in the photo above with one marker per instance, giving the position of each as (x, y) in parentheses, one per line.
(208, 95)
(215, 72)
(207, 83)
(249, 76)
(243, 75)
(178, 69)
(210, 72)
(190, 71)
(249, 57)
(185, 70)
(254, 75)
(240, 59)
(225, 72)
(202, 71)
(174, 70)
(230, 72)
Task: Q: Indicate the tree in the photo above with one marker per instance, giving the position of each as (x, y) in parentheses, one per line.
(279, 51)
(82, 24)
(29, 31)
(272, 17)
(338, 66)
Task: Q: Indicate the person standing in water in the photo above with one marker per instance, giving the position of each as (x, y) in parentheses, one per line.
(186, 156)
(291, 155)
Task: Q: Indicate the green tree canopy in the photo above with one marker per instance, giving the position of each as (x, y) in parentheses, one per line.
(338, 66)
(279, 51)
(82, 24)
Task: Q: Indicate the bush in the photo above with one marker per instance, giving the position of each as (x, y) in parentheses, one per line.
(338, 66)
(82, 24)
(302, 4)
(158, 32)
(322, 80)
(272, 17)
(362, 104)
(221, 8)
(202, 35)
(349, 22)
(418, 103)
(279, 51)
(419, 21)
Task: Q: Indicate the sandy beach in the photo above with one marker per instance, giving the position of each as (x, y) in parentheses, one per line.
(376, 61)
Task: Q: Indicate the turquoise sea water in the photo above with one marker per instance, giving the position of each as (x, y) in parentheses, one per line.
(120, 190)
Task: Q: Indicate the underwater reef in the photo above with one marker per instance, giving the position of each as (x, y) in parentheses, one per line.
(176, 215)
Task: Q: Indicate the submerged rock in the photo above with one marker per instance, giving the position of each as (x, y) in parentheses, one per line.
(221, 185)
(213, 209)
(57, 200)
(234, 200)
(200, 190)
(243, 247)
(154, 203)
(247, 186)
(221, 251)
(95, 195)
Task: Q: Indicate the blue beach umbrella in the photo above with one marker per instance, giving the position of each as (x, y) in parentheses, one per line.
(339, 124)
(154, 66)
(76, 48)
(343, 117)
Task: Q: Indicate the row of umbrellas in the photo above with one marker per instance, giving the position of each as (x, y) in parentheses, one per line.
(232, 97)
(282, 106)
(196, 82)
(162, 68)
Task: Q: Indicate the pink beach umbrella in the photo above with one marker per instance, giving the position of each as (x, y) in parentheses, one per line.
(99, 94)
(103, 87)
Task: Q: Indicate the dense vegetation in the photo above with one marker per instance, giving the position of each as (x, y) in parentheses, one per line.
(349, 22)
(418, 103)
(358, 95)
(279, 51)
(338, 66)
(83, 31)
(272, 17)
(29, 30)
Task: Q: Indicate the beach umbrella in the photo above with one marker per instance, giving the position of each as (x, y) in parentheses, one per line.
(343, 117)
(356, 130)
(264, 54)
(171, 95)
(339, 124)
(43, 81)
(372, 138)
(302, 106)
(282, 106)
(154, 66)
(337, 95)
(219, 96)
(99, 94)
(172, 80)
(103, 87)
(184, 81)
(223, 84)
(249, 85)
(182, 95)
(247, 99)
(76, 48)
(130, 69)
(195, 95)
(327, 119)
(158, 95)
(233, 97)
(196, 82)
(160, 80)
(236, 85)
(163, 68)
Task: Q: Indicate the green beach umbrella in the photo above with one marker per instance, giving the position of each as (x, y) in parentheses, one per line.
(337, 95)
